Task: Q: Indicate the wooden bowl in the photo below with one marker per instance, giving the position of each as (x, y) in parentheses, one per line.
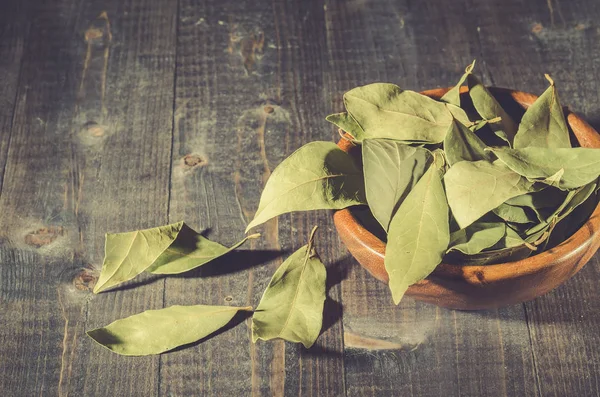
(488, 286)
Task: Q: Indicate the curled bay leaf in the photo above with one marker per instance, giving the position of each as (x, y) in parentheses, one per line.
(291, 307)
(544, 124)
(169, 249)
(319, 175)
(577, 166)
(189, 251)
(391, 170)
(515, 213)
(158, 331)
(542, 203)
(386, 111)
(461, 144)
(511, 247)
(418, 235)
(489, 108)
(475, 188)
(477, 237)
(347, 124)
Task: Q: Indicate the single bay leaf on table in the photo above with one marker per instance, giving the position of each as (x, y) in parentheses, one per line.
(475, 188)
(453, 96)
(461, 144)
(418, 235)
(189, 251)
(158, 331)
(291, 307)
(488, 107)
(169, 249)
(386, 111)
(319, 175)
(477, 237)
(347, 124)
(544, 124)
(391, 170)
(578, 166)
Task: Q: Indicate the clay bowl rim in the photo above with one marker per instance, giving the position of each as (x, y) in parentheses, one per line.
(586, 135)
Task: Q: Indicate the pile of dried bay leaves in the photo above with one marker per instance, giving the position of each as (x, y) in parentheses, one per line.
(459, 180)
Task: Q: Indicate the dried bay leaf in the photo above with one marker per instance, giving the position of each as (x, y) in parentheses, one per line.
(189, 251)
(488, 107)
(391, 170)
(573, 199)
(158, 331)
(515, 213)
(544, 124)
(475, 188)
(477, 237)
(169, 249)
(453, 96)
(129, 254)
(291, 307)
(577, 166)
(386, 111)
(319, 175)
(418, 235)
(347, 124)
(543, 202)
(461, 144)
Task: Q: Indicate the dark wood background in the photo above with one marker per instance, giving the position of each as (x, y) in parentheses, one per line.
(124, 114)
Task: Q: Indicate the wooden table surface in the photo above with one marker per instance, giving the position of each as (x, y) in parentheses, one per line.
(125, 114)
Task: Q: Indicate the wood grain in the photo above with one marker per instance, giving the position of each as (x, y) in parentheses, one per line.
(85, 157)
(564, 323)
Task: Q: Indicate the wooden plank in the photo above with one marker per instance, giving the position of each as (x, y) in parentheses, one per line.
(89, 153)
(249, 82)
(13, 33)
(556, 38)
(417, 349)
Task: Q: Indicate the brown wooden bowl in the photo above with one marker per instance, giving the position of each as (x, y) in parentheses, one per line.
(488, 286)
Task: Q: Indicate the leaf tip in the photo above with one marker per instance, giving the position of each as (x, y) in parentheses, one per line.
(312, 235)
(470, 68)
(253, 236)
(547, 76)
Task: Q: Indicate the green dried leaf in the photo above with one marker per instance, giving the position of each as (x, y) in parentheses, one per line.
(386, 111)
(453, 96)
(487, 106)
(158, 331)
(347, 124)
(291, 307)
(475, 188)
(129, 254)
(516, 214)
(461, 144)
(579, 166)
(166, 249)
(319, 175)
(391, 170)
(544, 124)
(543, 203)
(573, 199)
(189, 251)
(477, 237)
(418, 235)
